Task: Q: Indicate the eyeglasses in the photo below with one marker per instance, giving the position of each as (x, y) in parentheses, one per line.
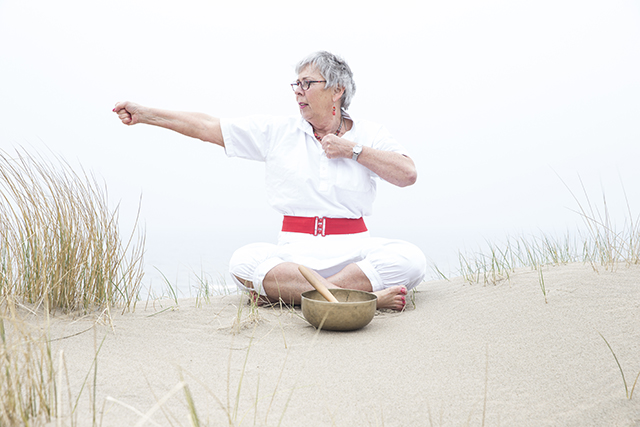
(305, 85)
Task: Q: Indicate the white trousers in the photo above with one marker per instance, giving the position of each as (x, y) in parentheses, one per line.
(385, 262)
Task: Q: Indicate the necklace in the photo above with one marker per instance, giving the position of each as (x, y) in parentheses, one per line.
(336, 133)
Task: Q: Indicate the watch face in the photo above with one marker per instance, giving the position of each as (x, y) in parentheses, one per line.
(356, 152)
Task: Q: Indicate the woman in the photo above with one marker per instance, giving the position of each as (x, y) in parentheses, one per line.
(321, 172)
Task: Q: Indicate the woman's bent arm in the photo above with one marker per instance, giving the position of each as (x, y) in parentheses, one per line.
(195, 125)
(390, 166)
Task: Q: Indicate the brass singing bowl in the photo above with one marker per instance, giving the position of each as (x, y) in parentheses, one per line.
(354, 309)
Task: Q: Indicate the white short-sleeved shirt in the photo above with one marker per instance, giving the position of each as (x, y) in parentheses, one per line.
(300, 179)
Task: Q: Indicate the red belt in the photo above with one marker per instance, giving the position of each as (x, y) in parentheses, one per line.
(323, 226)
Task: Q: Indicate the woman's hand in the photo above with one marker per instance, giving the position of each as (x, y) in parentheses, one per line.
(195, 125)
(128, 112)
(335, 147)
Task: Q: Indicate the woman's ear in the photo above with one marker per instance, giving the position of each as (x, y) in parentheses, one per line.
(337, 93)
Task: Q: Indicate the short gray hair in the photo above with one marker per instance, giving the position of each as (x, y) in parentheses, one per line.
(335, 71)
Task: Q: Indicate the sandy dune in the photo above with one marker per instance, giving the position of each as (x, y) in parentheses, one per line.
(462, 355)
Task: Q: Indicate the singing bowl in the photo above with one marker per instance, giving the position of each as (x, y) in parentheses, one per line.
(354, 309)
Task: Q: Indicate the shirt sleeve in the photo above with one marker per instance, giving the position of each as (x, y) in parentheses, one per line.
(247, 137)
(381, 139)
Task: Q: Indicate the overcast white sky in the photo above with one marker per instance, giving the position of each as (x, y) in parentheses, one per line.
(493, 99)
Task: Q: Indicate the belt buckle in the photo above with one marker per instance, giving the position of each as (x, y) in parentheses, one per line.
(320, 226)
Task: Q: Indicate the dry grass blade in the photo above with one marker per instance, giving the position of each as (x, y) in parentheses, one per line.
(626, 388)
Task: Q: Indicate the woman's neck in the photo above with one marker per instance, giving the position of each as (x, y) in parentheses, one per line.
(334, 126)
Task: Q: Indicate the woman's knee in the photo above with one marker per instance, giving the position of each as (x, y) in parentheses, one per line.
(245, 264)
(244, 260)
(238, 267)
(399, 263)
(414, 261)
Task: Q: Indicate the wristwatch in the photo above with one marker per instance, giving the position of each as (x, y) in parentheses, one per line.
(356, 152)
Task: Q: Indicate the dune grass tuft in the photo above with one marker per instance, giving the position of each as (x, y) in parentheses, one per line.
(602, 245)
(59, 239)
(28, 385)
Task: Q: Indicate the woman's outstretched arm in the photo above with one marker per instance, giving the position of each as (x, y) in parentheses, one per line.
(195, 125)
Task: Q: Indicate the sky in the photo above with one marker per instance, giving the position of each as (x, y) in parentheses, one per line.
(507, 107)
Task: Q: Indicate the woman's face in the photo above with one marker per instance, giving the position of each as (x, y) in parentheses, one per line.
(316, 103)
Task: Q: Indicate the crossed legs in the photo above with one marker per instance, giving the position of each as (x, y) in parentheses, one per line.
(284, 282)
(386, 267)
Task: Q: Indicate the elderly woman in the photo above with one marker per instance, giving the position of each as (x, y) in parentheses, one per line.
(321, 173)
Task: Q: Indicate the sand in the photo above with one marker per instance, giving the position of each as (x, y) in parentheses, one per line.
(494, 355)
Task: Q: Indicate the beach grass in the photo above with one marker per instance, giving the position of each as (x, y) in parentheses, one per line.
(28, 386)
(600, 244)
(60, 250)
(60, 239)
(208, 286)
(31, 390)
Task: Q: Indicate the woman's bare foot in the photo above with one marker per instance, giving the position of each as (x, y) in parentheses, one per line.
(393, 298)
